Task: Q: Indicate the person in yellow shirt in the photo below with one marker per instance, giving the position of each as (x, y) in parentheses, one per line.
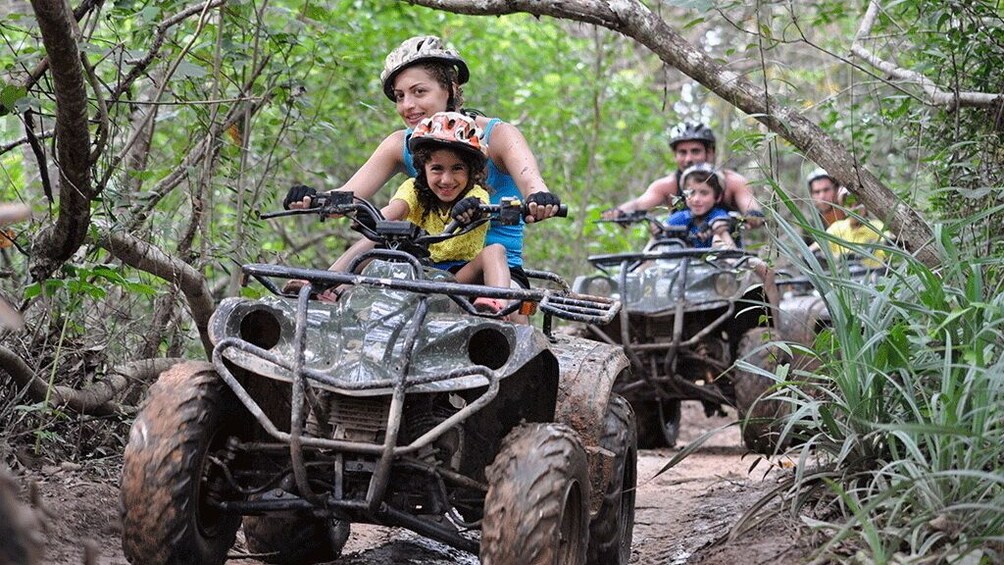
(450, 161)
(851, 230)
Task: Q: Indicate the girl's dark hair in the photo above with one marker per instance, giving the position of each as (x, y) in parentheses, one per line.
(446, 76)
(426, 198)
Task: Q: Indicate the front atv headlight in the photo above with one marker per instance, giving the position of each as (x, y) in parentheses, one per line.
(726, 284)
(600, 286)
(261, 327)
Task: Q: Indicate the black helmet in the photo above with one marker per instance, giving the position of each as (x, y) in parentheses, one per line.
(692, 132)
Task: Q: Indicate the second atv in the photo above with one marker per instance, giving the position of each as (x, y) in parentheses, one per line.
(688, 314)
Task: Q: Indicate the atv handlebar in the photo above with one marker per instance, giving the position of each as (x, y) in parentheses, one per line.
(370, 222)
(658, 226)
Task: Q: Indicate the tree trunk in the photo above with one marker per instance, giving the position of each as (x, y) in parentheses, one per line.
(58, 241)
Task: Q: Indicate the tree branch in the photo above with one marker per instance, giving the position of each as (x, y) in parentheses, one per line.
(95, 398)
(633, 19)
(146, 257)
(936, 96)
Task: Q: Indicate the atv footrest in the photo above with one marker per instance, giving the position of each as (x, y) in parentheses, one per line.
(581, 307)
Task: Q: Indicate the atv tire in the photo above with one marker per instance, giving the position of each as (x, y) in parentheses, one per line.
(758, 417)
(166, 516)
(658, 423)
(537, 505)
(295, 537)
(611, 530)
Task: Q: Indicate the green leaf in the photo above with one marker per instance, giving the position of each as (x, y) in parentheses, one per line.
(10, 95)
(189, 70)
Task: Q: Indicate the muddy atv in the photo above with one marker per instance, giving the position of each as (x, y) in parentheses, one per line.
(400, 405)
(688, 315)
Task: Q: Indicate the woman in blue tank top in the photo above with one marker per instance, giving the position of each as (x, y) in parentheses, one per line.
(422, 77)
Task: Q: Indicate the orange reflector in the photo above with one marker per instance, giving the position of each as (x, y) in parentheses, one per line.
(528, 308)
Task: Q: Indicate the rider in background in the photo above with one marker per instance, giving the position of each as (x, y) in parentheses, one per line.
(692, 144)
(851, 229)
(827, 196)
(422, 76)
(707, 222)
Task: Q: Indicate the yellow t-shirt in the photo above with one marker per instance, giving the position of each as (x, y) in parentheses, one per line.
(452, 251)
(843, 230)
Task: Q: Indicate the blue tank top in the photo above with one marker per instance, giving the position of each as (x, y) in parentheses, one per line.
(501, 185)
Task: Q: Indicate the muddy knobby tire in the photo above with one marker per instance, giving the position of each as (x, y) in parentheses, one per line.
(537, 506)
(611, 530)
(758, 418)
(295, 537)
(189, 414)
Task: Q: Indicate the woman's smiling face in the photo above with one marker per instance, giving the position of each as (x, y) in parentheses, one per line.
(447, 174)
(418, 95)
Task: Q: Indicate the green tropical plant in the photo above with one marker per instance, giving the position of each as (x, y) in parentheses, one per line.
(900, 431)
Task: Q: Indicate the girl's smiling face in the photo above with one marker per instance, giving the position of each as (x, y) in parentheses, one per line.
(418, 95)
(447, 174)
(700, 197)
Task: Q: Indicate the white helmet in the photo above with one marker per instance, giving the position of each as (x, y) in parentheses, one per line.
(817, 174)
(420, 49)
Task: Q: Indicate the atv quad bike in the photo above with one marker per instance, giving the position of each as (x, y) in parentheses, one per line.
(399, 405)
(688, 314)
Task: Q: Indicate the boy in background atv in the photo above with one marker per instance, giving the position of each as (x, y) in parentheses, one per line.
(707, 222)
(450, 161)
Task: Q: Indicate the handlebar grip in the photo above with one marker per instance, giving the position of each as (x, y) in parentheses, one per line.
(561, 213)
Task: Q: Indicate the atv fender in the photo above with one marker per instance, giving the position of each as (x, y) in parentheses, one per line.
(587, 371)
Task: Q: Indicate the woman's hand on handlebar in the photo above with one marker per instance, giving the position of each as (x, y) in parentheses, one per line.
(542, 205)
(299, 196)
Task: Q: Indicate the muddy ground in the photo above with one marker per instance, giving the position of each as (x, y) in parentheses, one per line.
(682, 516)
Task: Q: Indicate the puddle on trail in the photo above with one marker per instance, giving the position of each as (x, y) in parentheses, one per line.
(414, 549)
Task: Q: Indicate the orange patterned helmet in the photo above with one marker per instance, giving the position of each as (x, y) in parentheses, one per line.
(420, 49)
(451, 129)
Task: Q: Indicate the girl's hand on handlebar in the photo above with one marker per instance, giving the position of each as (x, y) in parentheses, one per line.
(466, 211)
(542, 205)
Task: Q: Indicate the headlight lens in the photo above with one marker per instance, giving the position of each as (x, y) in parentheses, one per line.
(261, 327)
(600, 286)
(726, 284)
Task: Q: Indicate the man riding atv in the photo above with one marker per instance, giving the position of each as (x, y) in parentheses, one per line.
(693, 304)
(693, 143)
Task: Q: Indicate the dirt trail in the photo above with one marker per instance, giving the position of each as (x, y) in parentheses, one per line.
(682, 515)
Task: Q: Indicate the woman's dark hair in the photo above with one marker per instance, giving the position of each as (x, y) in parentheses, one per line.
(426, 198)
(446, 76)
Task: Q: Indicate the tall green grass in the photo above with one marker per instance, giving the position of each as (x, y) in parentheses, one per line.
(901, 428)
